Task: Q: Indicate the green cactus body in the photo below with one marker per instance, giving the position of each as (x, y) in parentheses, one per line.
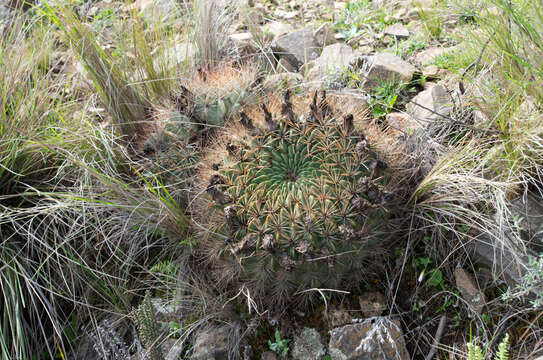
(299, 205)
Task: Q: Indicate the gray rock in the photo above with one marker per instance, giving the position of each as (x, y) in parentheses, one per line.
(285, 66)
(276, 28)
(528, 210)
(334, 58)
(375, 338)
(469, 290)
(298, 47)
(401, 123)
(285, 14)
(385, 67)
(308, 345)
(174, 56)
(324, 35)
(398, 30)
(173, 348)
(212, 344)
(426, 56)
(268, 355)
(158, 10)
(430, 105)
(282, 80)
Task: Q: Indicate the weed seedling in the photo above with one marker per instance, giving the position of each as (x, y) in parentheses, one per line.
(280, 346)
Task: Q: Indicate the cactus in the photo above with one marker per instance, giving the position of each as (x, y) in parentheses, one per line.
(148, 328)
(292, 205)
(210, 99)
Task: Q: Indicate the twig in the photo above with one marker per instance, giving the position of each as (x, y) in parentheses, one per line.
(437, 338)
(478, 60)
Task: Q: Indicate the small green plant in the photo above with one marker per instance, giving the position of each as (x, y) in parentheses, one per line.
(280, 346)
(410, 47)
(432, 23)
(476, 353)
(385, 97)
(357, 16)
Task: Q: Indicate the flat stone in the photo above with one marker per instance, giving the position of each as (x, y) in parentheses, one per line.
(339, 37)
(241, 37)
(156, 9)
(506, 263)
(298, 47)
(175, 56)
(324, 35)
(431, 71)
(385, 67)
(398, 30)
(469, 290)
(211, 344)
(285, 14)
(285, 66)
(426, 56)
(277, 28)
(528, 210)
(283, 80)
(268, 355)
(376, 339)
(401, 123)
(334, 58)
(308, 345)
(430, 105)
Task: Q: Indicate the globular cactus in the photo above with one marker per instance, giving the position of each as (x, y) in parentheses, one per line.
(292, 205)
(209, 100)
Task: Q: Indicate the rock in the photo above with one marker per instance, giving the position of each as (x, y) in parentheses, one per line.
(174, 56)
(173, 348)
(340, 5)
(308, 345)
(298, 47)
(334, 58)
(426, 56)
(385, 67)
(338, 317)
(350, 101)
(253, 17)
(276, 28)
(401, 123)
(398, 30)
(285, 14)
(372, 304)
(243, 42)
(339, 37)
(212, 344)
(430, 105)
(241, 37)
(268, 355)
(430, 71)
(507, 263)
(375, 339)
(324, 35)
(528, 210)
(469, 290)
(283, 80)
(158, 10)
(285, 66)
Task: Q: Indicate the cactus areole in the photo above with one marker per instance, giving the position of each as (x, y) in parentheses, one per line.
(295, 206)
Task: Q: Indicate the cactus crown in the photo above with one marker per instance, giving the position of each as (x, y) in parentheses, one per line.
(292, 196)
